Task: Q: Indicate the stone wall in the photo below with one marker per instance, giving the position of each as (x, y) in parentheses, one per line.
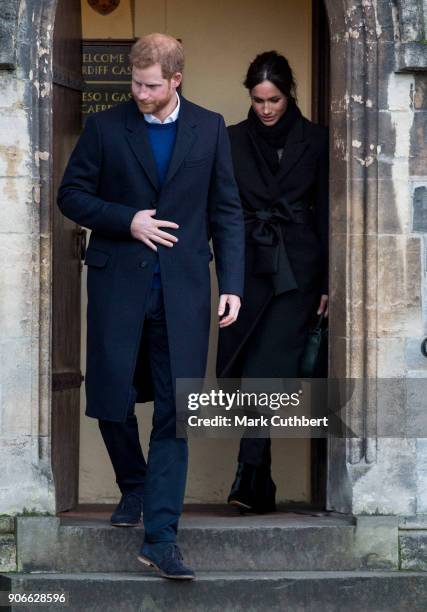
(377, 260)
(7, 544)
(25, 478)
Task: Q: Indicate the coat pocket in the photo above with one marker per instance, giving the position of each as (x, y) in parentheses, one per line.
(96, 259)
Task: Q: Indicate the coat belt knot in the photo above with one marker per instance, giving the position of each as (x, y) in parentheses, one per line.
(266, 234)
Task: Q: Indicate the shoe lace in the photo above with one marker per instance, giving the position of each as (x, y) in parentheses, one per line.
(175, 553)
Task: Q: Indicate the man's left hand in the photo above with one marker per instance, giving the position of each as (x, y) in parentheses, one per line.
(234, 303)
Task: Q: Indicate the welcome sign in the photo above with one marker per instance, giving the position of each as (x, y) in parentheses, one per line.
(106, 73)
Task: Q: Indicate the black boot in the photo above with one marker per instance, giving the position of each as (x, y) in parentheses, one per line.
(253, 489)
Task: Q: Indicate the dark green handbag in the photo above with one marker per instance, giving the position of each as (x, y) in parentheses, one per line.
(314, 361)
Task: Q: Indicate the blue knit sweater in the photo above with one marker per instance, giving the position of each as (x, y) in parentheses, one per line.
(162, 139)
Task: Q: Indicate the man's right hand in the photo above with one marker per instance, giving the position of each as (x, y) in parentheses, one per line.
(147, 229)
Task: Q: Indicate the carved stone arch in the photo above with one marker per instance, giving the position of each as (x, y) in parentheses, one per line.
(353, 118)
(369, 42)
(34, 40)
(412, 19)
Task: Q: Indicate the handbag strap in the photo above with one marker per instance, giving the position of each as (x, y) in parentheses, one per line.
(320, 321)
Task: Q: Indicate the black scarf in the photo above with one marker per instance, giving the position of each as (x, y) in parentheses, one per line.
(270, 138)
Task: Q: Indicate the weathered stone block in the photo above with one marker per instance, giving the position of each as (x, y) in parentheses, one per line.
(16, 205)
(347, 357)
(8, 32)
(399, 286)
(390, 416)
(364, 138)
(338, 92)
(364, 79)
(414, 358)
(337, 284)
(413, 550)
(418, 151)
(7, 524)
(338, 197)
(362, 296)
(337, 351)
(411, 20)
(420, 92)
(15, 382)
(416, 419)
(393, 209)
(411, 56)
(386, 64)
(361, 22)
(401, 89)
(7, 553)
(422, 478)
(389, 485)
(15, 152)
(34, 492)
(16, 281)
(394, 146)
(419, 206)
(384, 20)
(376, 540)
(338, 145)
(12, 91)
(391, 357)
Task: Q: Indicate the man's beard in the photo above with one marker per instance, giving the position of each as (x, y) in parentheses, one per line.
(150, 108)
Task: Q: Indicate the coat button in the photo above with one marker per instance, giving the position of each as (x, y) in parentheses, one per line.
(143, 264)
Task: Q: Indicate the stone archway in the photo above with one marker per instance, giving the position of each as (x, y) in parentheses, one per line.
(371, 41)
(375, 46)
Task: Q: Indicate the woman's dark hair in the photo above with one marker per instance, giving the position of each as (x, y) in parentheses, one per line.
(271, 66)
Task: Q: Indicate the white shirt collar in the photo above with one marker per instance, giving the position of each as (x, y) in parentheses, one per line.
(170, 119)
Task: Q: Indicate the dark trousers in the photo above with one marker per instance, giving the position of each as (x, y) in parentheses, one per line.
(160, 480)
(274, 350)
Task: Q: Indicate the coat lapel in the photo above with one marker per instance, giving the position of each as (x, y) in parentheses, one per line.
(269, 182)
(294, 149)
(185, 138)
(137, 137)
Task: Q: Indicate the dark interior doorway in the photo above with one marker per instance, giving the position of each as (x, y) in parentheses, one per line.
(321, 83)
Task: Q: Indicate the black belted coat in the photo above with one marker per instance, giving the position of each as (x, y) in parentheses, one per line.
(286, 262)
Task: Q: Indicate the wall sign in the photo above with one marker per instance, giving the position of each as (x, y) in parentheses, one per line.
(106, 73)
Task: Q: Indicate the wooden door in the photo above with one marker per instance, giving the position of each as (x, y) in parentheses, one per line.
(321, 84)
(66, 375)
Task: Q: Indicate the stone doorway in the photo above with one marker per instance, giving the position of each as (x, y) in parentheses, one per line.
(377, 146)
(97, 481)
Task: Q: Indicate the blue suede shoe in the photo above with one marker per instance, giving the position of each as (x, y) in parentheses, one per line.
(128, 512)
(166, 558)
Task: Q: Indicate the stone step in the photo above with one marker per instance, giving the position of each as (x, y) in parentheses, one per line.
(209, 542)
(229, 591)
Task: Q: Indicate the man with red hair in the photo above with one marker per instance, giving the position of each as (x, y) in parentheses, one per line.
(152, 178)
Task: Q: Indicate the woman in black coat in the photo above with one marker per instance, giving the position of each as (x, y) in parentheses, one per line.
(281, 166)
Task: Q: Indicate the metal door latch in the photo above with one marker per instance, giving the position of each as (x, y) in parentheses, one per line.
(81, 243)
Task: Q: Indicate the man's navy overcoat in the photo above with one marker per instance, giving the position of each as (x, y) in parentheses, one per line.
(110, 176)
